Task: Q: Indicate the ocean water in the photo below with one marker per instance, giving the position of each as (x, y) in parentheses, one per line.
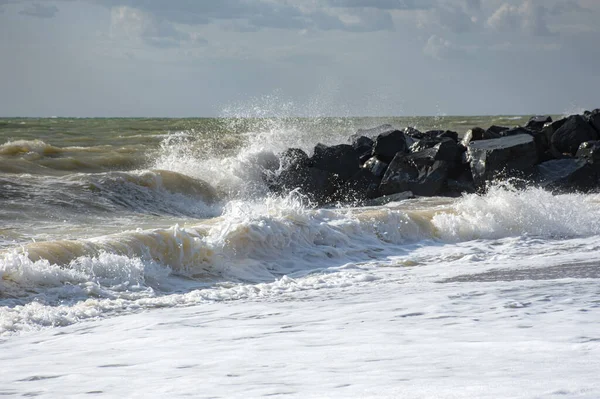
(146, 258)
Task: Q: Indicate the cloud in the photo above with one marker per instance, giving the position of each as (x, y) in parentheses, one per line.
(528, 17)
(450, 17)
(382, 4)
(474, 5)
(440, 48)
(358, 15)
(39, 11)
(135, 24)
(567, 7)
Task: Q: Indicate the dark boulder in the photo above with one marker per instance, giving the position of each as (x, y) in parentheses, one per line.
(362, 142)
(567, 175)
(589, 151)
(415, 173)
(430, 142)
(341, 160)
(593, 118)
(388, 144)
(360, 187)
(441, 134)
(375, 166)
(414, 133)
(537, 122)
(293, 158)
(477, 134)
(548, 131)
(318, 185)
(364, 148)
(541, 141)
(463, 183)
(512, 156)
(448, 150)
(495, 130)
(574, 131)
(515, 130)
(423, 144)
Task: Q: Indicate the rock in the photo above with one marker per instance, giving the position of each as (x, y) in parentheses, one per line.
(362, 186)
(567, 175)
(423, 144)
(512, 156)
(537, 122)
(361, 142)
(476, 134)
(319, 185)
(461, 184)
(341, 160)
(593, 118)
(411, 173)
(414, 133)
(574, 131)
(375, 166)
(495, 130)
(589, 151)
(541, 141)
(548, 131)
(432, 141)
(293, 158)
(514, 131)
(388, 144)
(364, 148)
(441, 134)
(448, 150)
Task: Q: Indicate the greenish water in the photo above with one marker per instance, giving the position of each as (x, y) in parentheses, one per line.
(125, 131)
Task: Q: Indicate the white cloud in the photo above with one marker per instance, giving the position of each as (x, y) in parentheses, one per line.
(39, 11)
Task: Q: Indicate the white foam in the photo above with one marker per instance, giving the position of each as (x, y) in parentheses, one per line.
(253, 245)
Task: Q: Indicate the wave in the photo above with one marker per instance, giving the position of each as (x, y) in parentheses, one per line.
(28, 146)
(151, 191)
(261, 240)
(39, 157)
(270, 245)
(236, 162)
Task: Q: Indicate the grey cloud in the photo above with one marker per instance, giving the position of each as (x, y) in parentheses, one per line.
(439, 48)
(566, 7)
(134, 24)
(455, 19)
(473, 5)
(534, 19)
(383, 4)
(371, 20)
(249, 15)
(39, 11)
(527, 17)
(450, 17)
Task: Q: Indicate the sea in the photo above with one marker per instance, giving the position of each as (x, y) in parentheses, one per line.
(147, 258)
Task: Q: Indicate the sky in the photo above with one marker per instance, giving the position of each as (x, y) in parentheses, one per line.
(186, 58)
